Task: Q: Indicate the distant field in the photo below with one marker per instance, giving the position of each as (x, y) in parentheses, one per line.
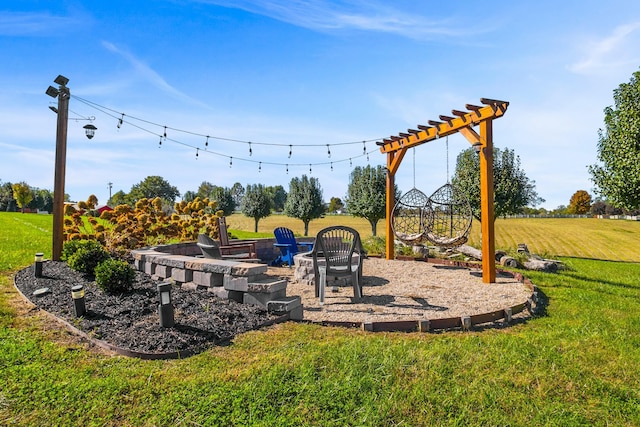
(616, 240)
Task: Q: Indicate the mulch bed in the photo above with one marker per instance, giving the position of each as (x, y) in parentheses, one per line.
(130, 321)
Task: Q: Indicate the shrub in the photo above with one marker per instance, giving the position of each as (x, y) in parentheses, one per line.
(114, 276)
(87, 256)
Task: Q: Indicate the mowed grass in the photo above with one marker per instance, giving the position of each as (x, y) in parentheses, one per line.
(605, 239)
(578, 364)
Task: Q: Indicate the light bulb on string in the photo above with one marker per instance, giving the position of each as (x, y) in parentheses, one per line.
(230, 162)
(287, 168)
(120, 121)
(328, 151)
(197, 151)
(259, 167)
(165, 132)
(250, 150)
(290, 150)
(350, 162)
(206, 143)
(364, 147)
(160, 142)
(331, 166)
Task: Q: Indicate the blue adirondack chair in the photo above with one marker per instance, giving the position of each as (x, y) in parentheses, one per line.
(286, 242)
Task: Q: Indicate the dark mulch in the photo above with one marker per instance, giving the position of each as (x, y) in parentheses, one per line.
(130, 321)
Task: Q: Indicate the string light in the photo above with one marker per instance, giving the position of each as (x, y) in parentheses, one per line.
(259, 167)
(135, 122)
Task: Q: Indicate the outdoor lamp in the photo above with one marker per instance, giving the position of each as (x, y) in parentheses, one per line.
(37, 267)
(89, 130)
(165, 308)
(77, 293)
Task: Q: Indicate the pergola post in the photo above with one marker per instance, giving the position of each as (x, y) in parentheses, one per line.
(486, 202)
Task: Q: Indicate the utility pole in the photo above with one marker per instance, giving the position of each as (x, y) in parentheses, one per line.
(110, 186)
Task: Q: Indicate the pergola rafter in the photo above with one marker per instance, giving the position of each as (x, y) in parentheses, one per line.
(395, 147)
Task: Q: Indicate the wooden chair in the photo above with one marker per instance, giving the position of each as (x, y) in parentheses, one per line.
(286, 242)
(343, 254)
(235, 249)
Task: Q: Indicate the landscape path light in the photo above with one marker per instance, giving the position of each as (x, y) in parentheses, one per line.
(165, 308)
(77, 294)
(37, 266)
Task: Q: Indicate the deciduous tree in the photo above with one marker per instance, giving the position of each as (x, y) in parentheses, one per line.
(335, 204)
(22, 194)
(580, 203)
(152, 187)
(304, 200)
(224, 199)
(256, 203)
(617, 175)
(513, 190)
(366, 195)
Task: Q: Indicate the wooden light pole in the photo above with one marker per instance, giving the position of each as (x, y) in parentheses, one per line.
(63, 94)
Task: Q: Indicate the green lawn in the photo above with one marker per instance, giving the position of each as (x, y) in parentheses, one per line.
(579, 364)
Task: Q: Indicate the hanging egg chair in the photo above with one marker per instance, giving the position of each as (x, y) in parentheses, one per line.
(411, 217)
(451, 217)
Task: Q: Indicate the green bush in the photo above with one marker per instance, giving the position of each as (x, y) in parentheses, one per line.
(70, 247)
(87, 256)
(114, 276)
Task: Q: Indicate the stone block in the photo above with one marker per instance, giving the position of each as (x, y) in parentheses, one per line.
(297, 313)
(149, 268)
(240, 284)
(174, 261)
(267, 286)
(285, 304)
(208, 279)
(261, 298)
(162, 271)
(248, 269)
(181, 275)
(218, 266)
(235, 296)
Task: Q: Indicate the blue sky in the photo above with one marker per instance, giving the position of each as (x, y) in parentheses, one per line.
(305, 74)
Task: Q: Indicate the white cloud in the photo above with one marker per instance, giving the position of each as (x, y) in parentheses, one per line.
(619, 49)
(322, 15)
(150, 75)
(37, 24)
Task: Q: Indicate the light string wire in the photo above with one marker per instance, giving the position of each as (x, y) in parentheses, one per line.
(120, 117)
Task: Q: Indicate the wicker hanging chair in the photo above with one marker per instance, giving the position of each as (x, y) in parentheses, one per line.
(451, 217)
(411, 217)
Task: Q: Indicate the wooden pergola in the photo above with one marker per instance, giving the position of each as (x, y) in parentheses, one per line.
(461, 122)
